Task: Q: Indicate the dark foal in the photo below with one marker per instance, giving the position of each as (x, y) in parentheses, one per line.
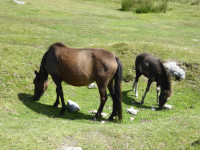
(80, 67)
(154, 70)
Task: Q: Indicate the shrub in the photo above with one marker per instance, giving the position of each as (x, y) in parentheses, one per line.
(144, 6)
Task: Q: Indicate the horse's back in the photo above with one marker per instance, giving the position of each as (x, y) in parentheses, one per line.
(78, 67)
(148, 65)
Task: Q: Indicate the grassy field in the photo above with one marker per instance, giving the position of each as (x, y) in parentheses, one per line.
(26, 32)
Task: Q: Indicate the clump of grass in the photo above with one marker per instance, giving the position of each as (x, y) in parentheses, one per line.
(144, 6)
(196, 2)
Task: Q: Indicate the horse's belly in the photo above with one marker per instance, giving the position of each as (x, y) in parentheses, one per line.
(77, 79)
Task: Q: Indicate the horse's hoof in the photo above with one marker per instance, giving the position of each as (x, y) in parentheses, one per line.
(111, 118)
(55, 105)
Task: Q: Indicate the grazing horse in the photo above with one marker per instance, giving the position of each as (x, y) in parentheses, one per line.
(154, 70)
(80, 67)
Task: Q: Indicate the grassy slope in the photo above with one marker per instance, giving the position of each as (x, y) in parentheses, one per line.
(27, 30)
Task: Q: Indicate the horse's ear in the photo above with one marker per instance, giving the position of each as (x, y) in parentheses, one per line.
(36, 73)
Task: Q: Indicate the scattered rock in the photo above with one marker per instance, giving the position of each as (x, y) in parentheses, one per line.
(95, 111)
(74, 107)
(103, 122)
(175, 70)
(166, 106)
(103, 114)
(72, 148)
(131, 119)
(19, 2)
(132, 111)
(196, 40)
(92, 86)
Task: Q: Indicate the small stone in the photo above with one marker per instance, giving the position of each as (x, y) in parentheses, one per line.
(74, 107)
(153, 108)
(92, 86)
(103, 114)
(131, 119)
(132, 111)
(103, 122)
(93, 111)
(166, 106)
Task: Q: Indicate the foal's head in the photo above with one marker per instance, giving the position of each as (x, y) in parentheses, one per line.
(164, 96)
(40, 86)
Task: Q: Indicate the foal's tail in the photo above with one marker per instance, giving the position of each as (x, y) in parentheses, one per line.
(118, 91)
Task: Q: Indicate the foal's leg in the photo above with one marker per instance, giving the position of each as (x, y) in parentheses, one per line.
(111, 90)
(135, 84)
(158, 90)
(103, 97)
(59, 93)
(57, 99)
(147, 89)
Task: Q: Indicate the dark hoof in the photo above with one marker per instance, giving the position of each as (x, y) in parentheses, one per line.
(55, 105)
(111, 118)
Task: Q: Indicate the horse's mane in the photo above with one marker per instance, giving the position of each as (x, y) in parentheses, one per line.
(59, 44)
(166, 79)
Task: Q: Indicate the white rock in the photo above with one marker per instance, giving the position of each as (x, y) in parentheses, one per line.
(103, 122)
(153, 108)
(175, 70)
(131, 119)
(19, 2)
(74, 107)
(166, 106)
(102, 114)
(132, 111)
(92, 86)
(72, 148)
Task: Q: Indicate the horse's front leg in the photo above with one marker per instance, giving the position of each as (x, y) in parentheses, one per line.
(147, 89)
(57, 99)
(103, 98)
(59, 92)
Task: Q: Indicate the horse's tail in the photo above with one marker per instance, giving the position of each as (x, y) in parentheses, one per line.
(117, 87)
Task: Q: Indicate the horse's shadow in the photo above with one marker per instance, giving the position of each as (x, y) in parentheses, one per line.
(132, 101)
(48, 110)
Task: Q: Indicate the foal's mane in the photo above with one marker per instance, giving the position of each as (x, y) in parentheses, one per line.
(165, 79)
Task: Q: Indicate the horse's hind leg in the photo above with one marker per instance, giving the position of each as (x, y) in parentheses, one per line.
(59, 92)
(157, 91)
(57, 99)
(103, 97)
(147, 89)
(111, 90)
(135, 84)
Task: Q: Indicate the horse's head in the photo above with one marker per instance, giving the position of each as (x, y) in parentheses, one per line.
(40, 86)
(164, 96)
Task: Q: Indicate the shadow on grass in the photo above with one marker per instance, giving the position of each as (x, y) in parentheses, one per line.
(132, 101)
(48, 110)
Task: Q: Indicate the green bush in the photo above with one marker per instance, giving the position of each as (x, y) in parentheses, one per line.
(144, 6)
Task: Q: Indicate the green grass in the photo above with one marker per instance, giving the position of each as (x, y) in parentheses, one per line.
(26, 32)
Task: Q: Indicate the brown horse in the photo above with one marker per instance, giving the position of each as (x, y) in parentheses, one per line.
(154, 70)
(80, 67)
